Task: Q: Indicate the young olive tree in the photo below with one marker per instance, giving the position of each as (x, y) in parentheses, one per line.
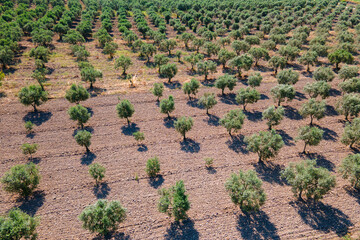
(77, 93)
(158, 90)
(347, 72)
(225, 81)
(208, 101)
(206, 67)
(242, 62)
(123, 62)
(168, 70)
(191, 87)
(89, 74)
(340, 56)
(265, 144)
(350, 86)
(246, 96)
(288, 76)
(80, 114)
(311, 136)
(97, 172)
(254, 80)
(83, 138)
(160, 60)
(351, 134)
(233, 121)
(350, 169)
(307, 179)
(313, 109)
(246, 191)
(152, 167)
(174, 201)
(324, 74)
(183, 125)
(225, 56)
(318, 88)
(29, 149)
(349, 105)
(282, 92)
(32, 95)
(103, 217)
(277, 62)
(308, 58)
(273, 116)
(259, 53)
(125, 109)
(167, 106)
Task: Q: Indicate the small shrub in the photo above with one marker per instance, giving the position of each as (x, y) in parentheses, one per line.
(209, 162)
(97, 172)
(350, 169)
(139, 136)
(153, 167)
(29, 149)
(29, 126)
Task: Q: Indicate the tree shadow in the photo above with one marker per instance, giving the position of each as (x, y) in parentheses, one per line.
(228, 99)
(142, 148)
(157, 181)
(30, 135)
(182, 230)
(87, 158)
(113, 236)
(262, 68)
(190, 146)
(299, 96)
(212, 120)
(269, 172)
(90, 111)
(355, 193)
(263, 97)
(329, 134)
(256, 226)
(330, 111)
(38, 117)
(334, 92)
(35, 160)
(237, 144)
(194, 103)
(173, 85)
(288, 140)
(169, 122)
(33, 203)
(101, 190)
(292, 113)
(321, 160)
(2, 95)
(95, 91)
(129, 130)
(211, 170)
(210, 82)
(87, 128)
(253, 116)
(323, 217)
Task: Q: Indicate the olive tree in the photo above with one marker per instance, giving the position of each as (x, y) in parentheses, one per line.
(89, 74)
(308, 58)
(246, 191)
(310, 135)
(313, 109)
(282, 92)
(83, 138)
(340, 56)
(307, 179)
(351, 133)
(255, 79)
(233, 120)
(103, 217)
(29, 149)
(183, 125)
(169, 70)
(76, 93)
(246, 96)
(289, 52)
(193, 59)
(277, 62)
(80, 114)
(259, 53)
(191, 87)
(158, 90)
(124, 62)
(225, 81)
(152, 167)
(225, 56)
(318, 88)
(240, 46)
(160, 59)
(17, 225)
(288, 76)
(242, 62)
(167, 105)
(168, 45)
(351, 85)
(347, 72)
(273, 116)
(125, 109)
(349, 105)
(206, 67)
(97, 172)
(174, 201)
(265, 144)
(32, 95)
(22, 179)
(147, 50)
(324, 74)
(208, 101)
(350, 169)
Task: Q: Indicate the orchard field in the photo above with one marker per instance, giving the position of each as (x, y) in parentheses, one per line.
(246, 89)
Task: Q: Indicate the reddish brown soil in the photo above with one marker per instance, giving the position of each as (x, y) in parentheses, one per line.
(66, 187)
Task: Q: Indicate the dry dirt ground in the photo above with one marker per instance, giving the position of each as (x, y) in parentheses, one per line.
(66, 187)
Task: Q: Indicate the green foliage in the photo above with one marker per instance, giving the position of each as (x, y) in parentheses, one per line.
(233, 120)
(147, 50)
(209, 162)
(289, 52)
(160, 59)
(225, 56)
(259, 53)
(349, 105)
(152, 167)
(211, 48)
(208, 101)
(6, 56)
(351, 134)
(255, 79)
(246, 96)
(125, 109)
(240, 46)
(340, 56)
(308, 58)
(21, 179)
(29, 149)
(313, 109)
(318, 88)
(277, 62)
(281, 92)
(103, 217)
(80, 114)
(183, 125)
(158, 90)
(110, 48)
(324, 74)
(206, 67)
(265, 144)
(186, 38)
(42, 37)
(246, 191)
(310, 135)
(347, 72)
(89, 74)
(73, 37)
(242, 62)
(191, 87)
(288, 76)
(167, 105)
(174, 201)
(307, 179)
(29, 126)
(193, 59)
(83, 138)
(41, 53)
(350, 169)
(76, 93)
(225, 81)
(80, 52)
(17, 225)
(273, 116)
(124, 62)
(139, 136)
(32, 95)
(169, 70)
(350, 86)
(97, 172)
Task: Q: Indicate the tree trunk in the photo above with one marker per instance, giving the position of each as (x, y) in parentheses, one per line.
(311, 120)
(91, 85)
(169, 80)
(304, 148)
(244, 107)
(207, 111)
(276, 70)
(87, 148)
(35, 109)
(308, 68)
(128, 121)
(168, 115)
